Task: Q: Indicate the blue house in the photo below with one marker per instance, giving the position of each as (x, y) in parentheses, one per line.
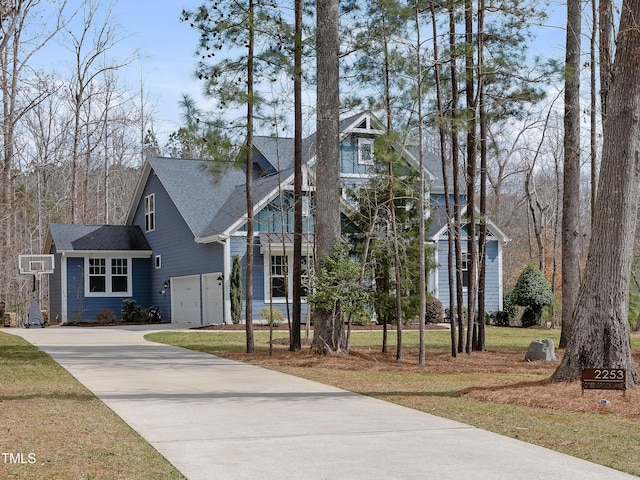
(97, 267)
(185, 224)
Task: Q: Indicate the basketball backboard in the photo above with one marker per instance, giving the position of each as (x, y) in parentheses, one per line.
(36, 264)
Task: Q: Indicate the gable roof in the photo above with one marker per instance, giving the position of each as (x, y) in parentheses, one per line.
(198, 194)
(209, 204)
(74, 238)
(439, 223)
(212, 206)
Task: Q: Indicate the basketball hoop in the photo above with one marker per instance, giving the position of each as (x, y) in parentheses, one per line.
(35, 265)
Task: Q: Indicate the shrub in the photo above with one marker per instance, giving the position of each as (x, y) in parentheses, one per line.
(532, 291)
(361, 320)
(235, 290)
(336, 288)
(508, 305)
(499, 318)
(435, 311)
(448, 316)
(104, 317)
(130, 311)
(273, 316)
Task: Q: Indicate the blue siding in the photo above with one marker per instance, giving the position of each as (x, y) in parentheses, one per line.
(493, 287)
(174, 242)
(349, 157)
(239, 247)
(85, 309)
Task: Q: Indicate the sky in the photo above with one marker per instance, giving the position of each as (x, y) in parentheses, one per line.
(166, 47)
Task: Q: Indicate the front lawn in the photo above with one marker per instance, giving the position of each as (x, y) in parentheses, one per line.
(54, 428)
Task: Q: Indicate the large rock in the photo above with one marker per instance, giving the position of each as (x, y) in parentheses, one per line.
(542, 349)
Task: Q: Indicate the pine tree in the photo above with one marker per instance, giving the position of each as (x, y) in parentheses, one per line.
(257, 29)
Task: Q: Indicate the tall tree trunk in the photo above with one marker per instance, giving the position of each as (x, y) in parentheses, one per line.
(396, 264)
(455, 160)
(571, 189)
(328, 335)
(250, 344)
(605, 27)
(601, 337)
(479, 338)
(472, 251)
(296, 341)
(392, 208)
(593, 94)
(445, 181)
(422, 282)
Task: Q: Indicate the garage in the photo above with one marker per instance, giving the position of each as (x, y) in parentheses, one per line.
(185, 300)
(212, 299)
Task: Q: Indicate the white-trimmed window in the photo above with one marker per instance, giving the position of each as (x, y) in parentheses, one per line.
(150, 212)
(97, 275)
(279, 271)
(278, 276)
(465, 269)
(119, 275)
(108, 277)
(158, 261)
(365, 151)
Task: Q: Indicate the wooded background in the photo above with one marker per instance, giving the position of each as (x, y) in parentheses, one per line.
(73, 140)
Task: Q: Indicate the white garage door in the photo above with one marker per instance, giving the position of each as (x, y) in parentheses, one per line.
(212, 298)
(185, 300)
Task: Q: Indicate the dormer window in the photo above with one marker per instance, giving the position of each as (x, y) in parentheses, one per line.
(365, 151)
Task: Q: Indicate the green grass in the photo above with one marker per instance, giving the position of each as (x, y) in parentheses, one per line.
(234, 341)
(607, 439)
(69, 433)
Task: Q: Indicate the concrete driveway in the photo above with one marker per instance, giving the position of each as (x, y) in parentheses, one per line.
(216, 419)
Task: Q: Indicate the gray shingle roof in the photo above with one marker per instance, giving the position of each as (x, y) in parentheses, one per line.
(212, 204)
(98, 237)
(198, 194)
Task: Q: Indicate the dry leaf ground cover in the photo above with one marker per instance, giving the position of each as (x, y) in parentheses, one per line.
(496, 390)
(51, 427)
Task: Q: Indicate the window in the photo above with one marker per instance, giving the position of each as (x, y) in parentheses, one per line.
(150, 212)
(365, 151)
(465, 269)
(279, 282)
(306, 266)
(279, 270)
(158, 261)
(108, 277)
(97, 275)
(119, 275)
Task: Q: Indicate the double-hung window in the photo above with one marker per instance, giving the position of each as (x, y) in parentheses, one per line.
(278, 277)
(365, 151)
(119, 275)
(280, 271)
(465, 269)
(108, 277)
(150, 212)
(97, 275)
